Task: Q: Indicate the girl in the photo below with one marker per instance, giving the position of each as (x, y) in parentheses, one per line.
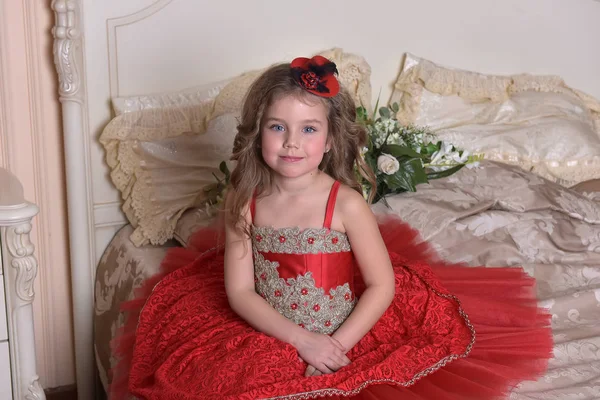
(320, 300)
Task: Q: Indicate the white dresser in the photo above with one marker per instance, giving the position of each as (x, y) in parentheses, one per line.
(18, 269)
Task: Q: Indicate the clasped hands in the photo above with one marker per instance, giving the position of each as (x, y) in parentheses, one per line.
(322, 353)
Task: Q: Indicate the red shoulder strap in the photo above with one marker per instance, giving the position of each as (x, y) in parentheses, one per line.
(331, 204)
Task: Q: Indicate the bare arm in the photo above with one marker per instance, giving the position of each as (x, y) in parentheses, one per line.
(243, 299)
(374, 264)
(322, 351)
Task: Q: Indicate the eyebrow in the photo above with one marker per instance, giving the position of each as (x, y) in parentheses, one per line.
(305, 121)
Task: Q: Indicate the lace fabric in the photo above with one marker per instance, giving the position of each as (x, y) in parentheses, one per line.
(559, 140)
(451, 331)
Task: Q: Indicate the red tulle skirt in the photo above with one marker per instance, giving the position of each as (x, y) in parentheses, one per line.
(451, 333)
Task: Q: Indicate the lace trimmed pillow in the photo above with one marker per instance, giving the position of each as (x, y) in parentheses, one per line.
(160, 179)
(162, 150)
(535, 122)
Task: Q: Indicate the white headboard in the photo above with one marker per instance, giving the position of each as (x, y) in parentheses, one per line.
(113, 48)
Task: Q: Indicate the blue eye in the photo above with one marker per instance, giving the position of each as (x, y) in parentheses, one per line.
(277, 127)
(309, 129)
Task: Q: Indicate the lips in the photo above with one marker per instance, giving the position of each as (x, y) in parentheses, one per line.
(291, 158)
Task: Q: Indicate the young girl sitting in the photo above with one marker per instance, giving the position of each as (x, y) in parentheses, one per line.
(311, 296)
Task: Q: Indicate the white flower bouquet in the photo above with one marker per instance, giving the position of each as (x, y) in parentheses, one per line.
(404, 156)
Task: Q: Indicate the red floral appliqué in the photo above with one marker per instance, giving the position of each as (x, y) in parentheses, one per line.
(310, 80)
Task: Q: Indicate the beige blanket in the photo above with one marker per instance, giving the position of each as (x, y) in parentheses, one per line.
(495, 215)
(499, 215)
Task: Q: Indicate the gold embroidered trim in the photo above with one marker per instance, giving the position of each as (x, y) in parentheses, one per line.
(427, 371)
(300, 300)
(296, 241)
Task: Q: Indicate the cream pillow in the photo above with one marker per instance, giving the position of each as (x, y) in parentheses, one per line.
(536, 122)
(164, 177)
(183, 98)
(162, 149)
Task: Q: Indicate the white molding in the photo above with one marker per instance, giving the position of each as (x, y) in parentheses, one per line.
(41, 179)
(20, 270)
(16, 214)
(20, 279)
(112, 24)
(21, 250)
(109, 214)
(4, 94)
(68, 59)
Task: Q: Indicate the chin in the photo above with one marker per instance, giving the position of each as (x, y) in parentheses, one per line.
(294, 173)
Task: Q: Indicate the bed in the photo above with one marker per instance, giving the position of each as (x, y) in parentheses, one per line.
(150, 92)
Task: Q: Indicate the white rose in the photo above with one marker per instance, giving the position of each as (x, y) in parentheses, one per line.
(387, 164)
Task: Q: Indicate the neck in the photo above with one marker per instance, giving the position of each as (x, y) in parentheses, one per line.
(295, 186)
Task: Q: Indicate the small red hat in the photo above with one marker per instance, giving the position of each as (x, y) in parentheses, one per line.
(316, 75)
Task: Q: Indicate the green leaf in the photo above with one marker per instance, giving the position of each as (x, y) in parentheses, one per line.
(397, 150)
(223, 168)
(385, 112)
(361, 115)
(445, 173)
(415, 166)
(400, 180)
(371, 162)
(431, 148)
(376, 104)
(410, 174)
(395, 107)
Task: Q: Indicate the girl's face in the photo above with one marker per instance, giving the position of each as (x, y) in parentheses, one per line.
(294, 136)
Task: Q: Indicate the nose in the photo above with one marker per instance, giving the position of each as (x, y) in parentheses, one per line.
(292, 140)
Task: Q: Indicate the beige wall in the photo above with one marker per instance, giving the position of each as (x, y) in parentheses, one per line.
(31, 147)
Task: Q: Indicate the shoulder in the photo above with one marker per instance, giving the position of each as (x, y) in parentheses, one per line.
(351, 203)
(357, 218)
(232, 199)
(237, 212)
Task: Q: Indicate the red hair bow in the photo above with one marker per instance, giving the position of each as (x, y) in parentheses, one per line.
(316, 75)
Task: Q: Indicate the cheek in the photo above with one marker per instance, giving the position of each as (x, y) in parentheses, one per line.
(269, 144)
(319, 146)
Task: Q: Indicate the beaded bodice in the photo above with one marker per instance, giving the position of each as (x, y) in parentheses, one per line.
(306, 274)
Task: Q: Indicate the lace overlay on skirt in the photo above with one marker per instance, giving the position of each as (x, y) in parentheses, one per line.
(189, 344)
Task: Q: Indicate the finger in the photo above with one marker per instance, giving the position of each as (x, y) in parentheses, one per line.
(341, 357)
(315, 372)
(338, 345)
(324, 369)
(342, 361)
(310, 370)
(334, 363)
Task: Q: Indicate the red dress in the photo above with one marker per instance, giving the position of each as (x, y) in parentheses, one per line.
(451, 332)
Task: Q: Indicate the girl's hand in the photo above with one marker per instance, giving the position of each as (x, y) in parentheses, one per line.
(322, 352)
(312, 371)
